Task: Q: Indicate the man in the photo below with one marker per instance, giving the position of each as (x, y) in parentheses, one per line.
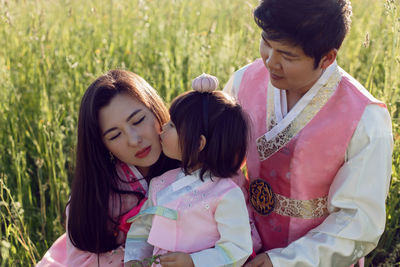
(319, 161)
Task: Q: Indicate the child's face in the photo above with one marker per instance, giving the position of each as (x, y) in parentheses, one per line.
(289, 68)
(170, 141)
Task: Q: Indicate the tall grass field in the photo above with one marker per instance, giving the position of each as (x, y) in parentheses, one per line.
(51, 50)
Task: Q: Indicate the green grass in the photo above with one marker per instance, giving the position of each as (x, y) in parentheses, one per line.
(50, 51)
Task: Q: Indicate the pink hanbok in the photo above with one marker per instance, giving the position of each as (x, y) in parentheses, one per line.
(62, 253)
(318, 174)
(207, 219)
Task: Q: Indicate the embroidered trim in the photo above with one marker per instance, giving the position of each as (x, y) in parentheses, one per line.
(268, 147)
(306, 209)
(265, 201)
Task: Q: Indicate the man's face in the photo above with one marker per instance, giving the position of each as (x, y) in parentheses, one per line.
(289, 68)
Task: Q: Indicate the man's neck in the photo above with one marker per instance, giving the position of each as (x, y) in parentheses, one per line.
(292, 98)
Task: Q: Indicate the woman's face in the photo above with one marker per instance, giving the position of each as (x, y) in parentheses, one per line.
(130, 131)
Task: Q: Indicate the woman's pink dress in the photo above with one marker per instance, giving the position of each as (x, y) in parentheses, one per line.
(62, 253)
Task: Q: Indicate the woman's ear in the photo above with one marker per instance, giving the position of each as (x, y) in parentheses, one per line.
(328, 58)
(203, 142)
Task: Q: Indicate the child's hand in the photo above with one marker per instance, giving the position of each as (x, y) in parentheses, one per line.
(261, 260)
(176, 259)
(133, 263)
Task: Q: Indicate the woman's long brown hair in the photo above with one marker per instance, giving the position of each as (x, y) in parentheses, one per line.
(90, 227)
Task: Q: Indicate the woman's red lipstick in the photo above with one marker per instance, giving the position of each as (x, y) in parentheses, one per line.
(143, 153)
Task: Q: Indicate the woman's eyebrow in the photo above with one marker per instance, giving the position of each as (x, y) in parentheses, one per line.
(133, 114)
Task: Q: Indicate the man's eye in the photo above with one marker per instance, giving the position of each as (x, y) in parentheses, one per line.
(115, 136)
(139, 121)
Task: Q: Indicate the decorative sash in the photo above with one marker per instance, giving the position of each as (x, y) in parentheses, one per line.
(156, 210)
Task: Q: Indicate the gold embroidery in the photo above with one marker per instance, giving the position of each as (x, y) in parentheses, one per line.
(261, 197)
(265, 201)
(268, 147)
(306, 209)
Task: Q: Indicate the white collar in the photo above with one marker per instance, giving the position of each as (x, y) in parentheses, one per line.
(280, 98)
(286, 119)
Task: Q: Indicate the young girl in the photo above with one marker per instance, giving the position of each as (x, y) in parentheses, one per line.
(197, 210)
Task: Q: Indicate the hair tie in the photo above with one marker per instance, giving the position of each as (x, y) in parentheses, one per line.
(205, 83)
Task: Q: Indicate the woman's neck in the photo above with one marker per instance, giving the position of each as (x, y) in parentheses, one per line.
(143, 170)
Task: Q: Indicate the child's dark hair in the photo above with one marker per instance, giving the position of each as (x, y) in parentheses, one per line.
(224, 125)
(315, 25)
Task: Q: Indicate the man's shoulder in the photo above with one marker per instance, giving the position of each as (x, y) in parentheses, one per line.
(257, 63)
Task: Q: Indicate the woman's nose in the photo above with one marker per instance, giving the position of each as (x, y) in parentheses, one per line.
(134, 138)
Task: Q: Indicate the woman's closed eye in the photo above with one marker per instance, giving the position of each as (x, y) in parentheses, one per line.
(136, 122)
(114, 137)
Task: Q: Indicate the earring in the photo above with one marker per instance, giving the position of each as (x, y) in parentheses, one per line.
(112, 159)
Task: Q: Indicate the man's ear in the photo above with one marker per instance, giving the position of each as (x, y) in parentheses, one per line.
(328, 58)
(203, 142)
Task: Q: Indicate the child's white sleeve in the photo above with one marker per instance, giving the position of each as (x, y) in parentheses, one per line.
(136, 246)
(235, 244)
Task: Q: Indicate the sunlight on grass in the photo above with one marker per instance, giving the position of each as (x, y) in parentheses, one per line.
(50, 51)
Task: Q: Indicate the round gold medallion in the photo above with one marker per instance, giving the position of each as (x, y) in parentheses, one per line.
(262, 197)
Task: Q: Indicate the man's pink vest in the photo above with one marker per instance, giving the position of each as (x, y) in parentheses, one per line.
(300, 171)
(195, 228)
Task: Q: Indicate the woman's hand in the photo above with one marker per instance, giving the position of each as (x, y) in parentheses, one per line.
(176, 259)
(261, 260)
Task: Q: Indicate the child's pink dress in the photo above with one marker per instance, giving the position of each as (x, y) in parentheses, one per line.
(207, 219)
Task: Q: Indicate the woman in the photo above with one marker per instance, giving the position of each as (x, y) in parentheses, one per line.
(118, 152)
